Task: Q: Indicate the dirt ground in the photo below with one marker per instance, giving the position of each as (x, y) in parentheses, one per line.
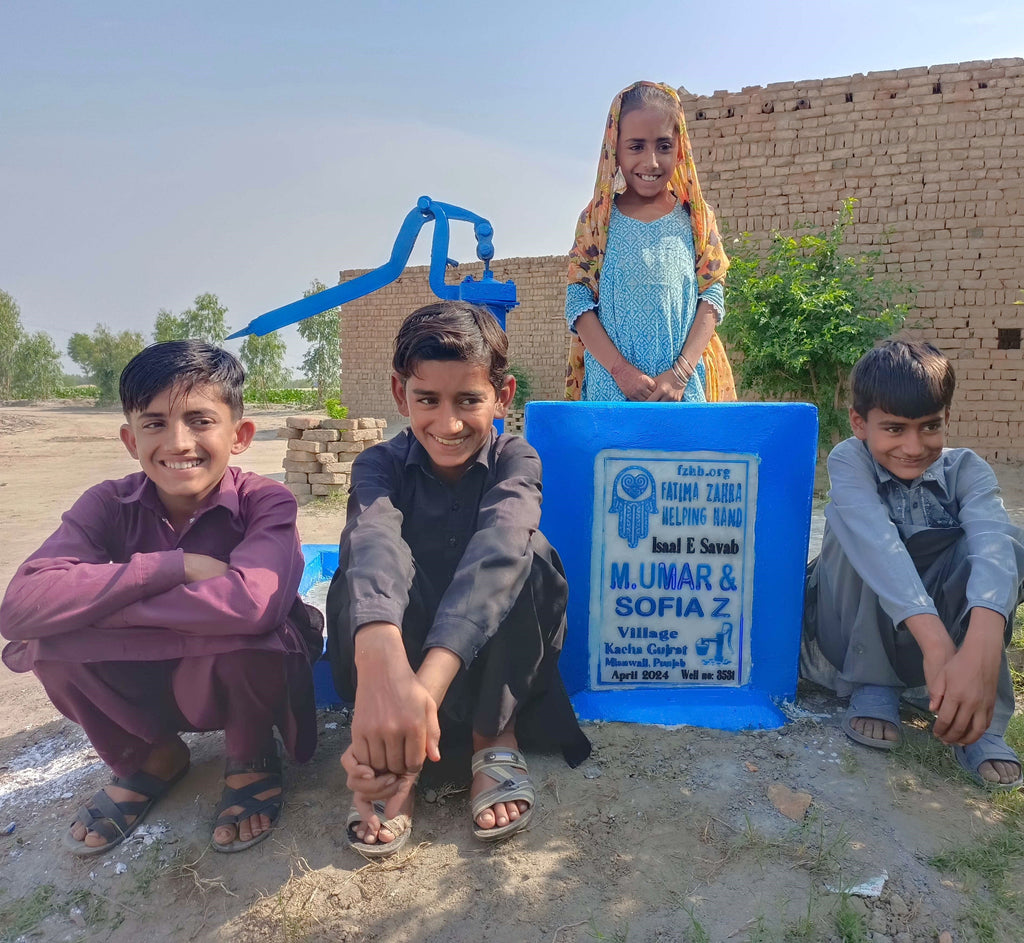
(663, 835)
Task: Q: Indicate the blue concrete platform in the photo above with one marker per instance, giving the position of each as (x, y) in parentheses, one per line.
(684, 531)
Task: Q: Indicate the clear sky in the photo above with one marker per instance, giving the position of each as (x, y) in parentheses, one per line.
(150, 151)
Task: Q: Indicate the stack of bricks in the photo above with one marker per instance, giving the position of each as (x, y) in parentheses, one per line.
(321, 451)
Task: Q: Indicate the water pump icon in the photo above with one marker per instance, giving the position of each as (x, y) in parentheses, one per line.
(722, 639)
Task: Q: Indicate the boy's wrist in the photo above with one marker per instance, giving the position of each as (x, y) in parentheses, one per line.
(985, 628)
(376, 640)
(929, 633)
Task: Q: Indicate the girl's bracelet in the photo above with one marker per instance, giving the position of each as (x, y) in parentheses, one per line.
(686, 363)
(680, 376)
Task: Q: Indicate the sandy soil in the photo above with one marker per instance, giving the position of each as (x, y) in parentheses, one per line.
(661, 835)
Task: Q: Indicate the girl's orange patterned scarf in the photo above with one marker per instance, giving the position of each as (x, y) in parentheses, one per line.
(587, 254)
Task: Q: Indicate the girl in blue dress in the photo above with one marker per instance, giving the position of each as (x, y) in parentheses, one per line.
(647, 269)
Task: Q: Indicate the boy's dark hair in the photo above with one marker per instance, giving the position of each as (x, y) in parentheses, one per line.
(452, 330)
(903, 378)
(185, 364)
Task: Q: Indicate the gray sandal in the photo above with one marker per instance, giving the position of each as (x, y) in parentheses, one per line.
(988, 747)
(400, 826)
(109, 819)
(877, 702)
(508, 769)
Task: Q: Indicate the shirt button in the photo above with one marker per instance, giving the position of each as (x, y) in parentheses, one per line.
(455, 505)
(914, 504)
(452, 541)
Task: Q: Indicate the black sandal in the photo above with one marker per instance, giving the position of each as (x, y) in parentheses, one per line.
(250, 805)
(109, 819)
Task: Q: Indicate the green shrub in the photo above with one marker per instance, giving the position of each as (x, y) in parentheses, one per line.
(279, 397)
(76, 392)
(524, 386)
(802, 313)
(335, 410)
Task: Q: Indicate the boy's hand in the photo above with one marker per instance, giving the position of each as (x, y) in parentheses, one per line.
(394, 723)
(198, 566)
(365, 782)
(367, 787)
(937, 649)
(969, 681)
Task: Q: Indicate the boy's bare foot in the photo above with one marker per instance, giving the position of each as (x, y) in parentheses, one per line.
(1002, 772)
(875, 729)
(378, 833)
(991, 761)
(255, 825)
(873, 716)
(248, 812)
(501, 813)
(165, 762)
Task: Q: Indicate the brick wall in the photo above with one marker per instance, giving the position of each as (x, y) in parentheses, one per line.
(934, 157)
(538, 339)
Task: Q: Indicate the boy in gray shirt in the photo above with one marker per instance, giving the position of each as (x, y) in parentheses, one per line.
(920, 569)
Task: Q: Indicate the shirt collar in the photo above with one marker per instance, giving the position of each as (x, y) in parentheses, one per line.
(418, 455)
(933, 473)
(224, 495)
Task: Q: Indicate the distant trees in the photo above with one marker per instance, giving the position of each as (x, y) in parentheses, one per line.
(322, 359)
(29, 363)
(37, 371)
(102, 356)
(263, 359)
(10, 332)
(203, 321)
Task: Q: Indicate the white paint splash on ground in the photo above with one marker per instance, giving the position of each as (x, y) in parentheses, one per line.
(47, 770)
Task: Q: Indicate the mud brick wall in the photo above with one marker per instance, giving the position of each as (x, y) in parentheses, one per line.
(320, 452)
(934, 156)
(538, 340)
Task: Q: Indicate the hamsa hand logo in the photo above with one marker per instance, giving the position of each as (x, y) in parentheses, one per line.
(634, 499)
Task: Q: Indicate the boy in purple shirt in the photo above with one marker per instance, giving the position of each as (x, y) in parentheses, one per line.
(448, 602)
(166, 601)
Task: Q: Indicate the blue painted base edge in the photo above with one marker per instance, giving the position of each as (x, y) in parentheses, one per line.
(321, 562)
(740, 709)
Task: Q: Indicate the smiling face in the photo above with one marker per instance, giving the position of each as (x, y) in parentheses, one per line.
(903, 447)
(451, 406)
(647, 151)
(184, 439)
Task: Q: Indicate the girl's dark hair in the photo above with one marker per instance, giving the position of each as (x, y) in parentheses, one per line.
(903, 378)
(643, 95)
(184, 364)
(452, 330)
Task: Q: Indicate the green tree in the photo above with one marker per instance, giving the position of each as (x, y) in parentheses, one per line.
(263, 358)
(168, 327)
(10, 334)
(102, 355)
(803, 314)
(322, 360)
(36, 369)
(203, 321)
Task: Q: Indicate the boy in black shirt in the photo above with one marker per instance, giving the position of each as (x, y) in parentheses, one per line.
(448, 602)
